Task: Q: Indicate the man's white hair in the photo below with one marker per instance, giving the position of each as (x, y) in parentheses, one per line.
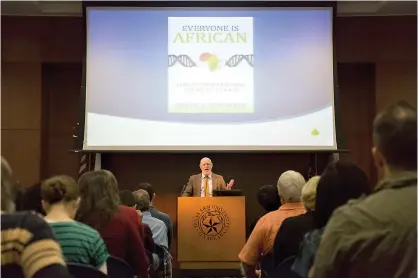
(290, 186)
(204, 159)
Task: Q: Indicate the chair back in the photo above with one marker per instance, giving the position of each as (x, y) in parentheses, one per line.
(267, 265)
(284, 270)
(83, 271)
(162, 270)
(14, 271)
(118, 268)
(150, 258)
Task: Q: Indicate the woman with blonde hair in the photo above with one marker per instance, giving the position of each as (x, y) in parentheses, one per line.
(292, 230)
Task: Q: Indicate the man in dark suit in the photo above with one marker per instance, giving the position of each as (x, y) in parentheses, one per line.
(203, 184)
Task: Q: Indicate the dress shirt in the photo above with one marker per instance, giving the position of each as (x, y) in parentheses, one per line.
(202, 185)
(158, 229)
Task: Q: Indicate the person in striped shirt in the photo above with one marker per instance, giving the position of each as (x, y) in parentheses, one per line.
(28, 246)
(79, 242)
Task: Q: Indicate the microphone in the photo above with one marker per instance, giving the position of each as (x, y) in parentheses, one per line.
(182, 190)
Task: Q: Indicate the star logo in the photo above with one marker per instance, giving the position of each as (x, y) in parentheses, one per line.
(211, 222)
(211, 225)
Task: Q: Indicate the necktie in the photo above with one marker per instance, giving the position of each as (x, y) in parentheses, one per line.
(206, 184)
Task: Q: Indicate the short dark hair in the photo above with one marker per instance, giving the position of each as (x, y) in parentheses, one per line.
(127, 198)
(31, 199)
(148, 188)
(268, 197)
(340, 182)
(395, 135)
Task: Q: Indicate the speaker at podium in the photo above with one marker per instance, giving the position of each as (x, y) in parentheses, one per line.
(211, 230)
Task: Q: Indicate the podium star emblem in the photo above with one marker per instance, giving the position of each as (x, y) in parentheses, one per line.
(211, 222)
(211, 225)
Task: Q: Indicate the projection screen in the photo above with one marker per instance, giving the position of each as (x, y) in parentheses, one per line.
(209, 79)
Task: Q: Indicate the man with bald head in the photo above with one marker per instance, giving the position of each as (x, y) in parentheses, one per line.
(203, 184)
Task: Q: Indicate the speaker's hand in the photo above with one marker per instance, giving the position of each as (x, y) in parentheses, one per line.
(230, 184)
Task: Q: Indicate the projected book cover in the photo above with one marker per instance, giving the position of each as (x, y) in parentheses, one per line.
(210, 65)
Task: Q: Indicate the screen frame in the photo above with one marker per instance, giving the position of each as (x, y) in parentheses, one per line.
(80, 136)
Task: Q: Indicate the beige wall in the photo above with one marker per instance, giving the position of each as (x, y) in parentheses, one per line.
(389, 42)
(26, 42)
(396, 80)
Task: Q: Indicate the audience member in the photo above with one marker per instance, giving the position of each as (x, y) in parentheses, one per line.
(376, 236)
(269, 200)
(31, 199)
(127, 199)
(155, 212)
(158, 228)
(28, 246)
(292, 230)
(118, 225)
(79, 243)
(340, 182)
(261, 240)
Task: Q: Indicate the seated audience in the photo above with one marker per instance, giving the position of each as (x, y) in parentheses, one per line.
(158, 228)
(80, 243)
(376, 236)
(118, 225)
(127, 199)
(260, 243)
(155, 212)
(340, 182)
(292, 230)
(31, 199)
(28, 246)
(269, 200)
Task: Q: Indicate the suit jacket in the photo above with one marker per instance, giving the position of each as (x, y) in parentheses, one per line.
(194, 184)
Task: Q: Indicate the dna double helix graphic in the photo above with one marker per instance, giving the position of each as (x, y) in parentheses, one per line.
(184, 60)
(236, 59)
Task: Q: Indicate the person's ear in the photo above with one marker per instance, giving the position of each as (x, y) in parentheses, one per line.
(378, 158)
(77, 203)
(282, 200)
(44, 205)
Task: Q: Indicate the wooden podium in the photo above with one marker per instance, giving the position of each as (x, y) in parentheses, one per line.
(211, 232)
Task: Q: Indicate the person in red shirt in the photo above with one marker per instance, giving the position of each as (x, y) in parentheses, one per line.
(118, 225)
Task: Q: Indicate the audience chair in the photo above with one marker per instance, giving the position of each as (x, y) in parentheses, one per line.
(118, 268)
(12, 271)
(284, 270)
(84, 271)
(162, 271)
